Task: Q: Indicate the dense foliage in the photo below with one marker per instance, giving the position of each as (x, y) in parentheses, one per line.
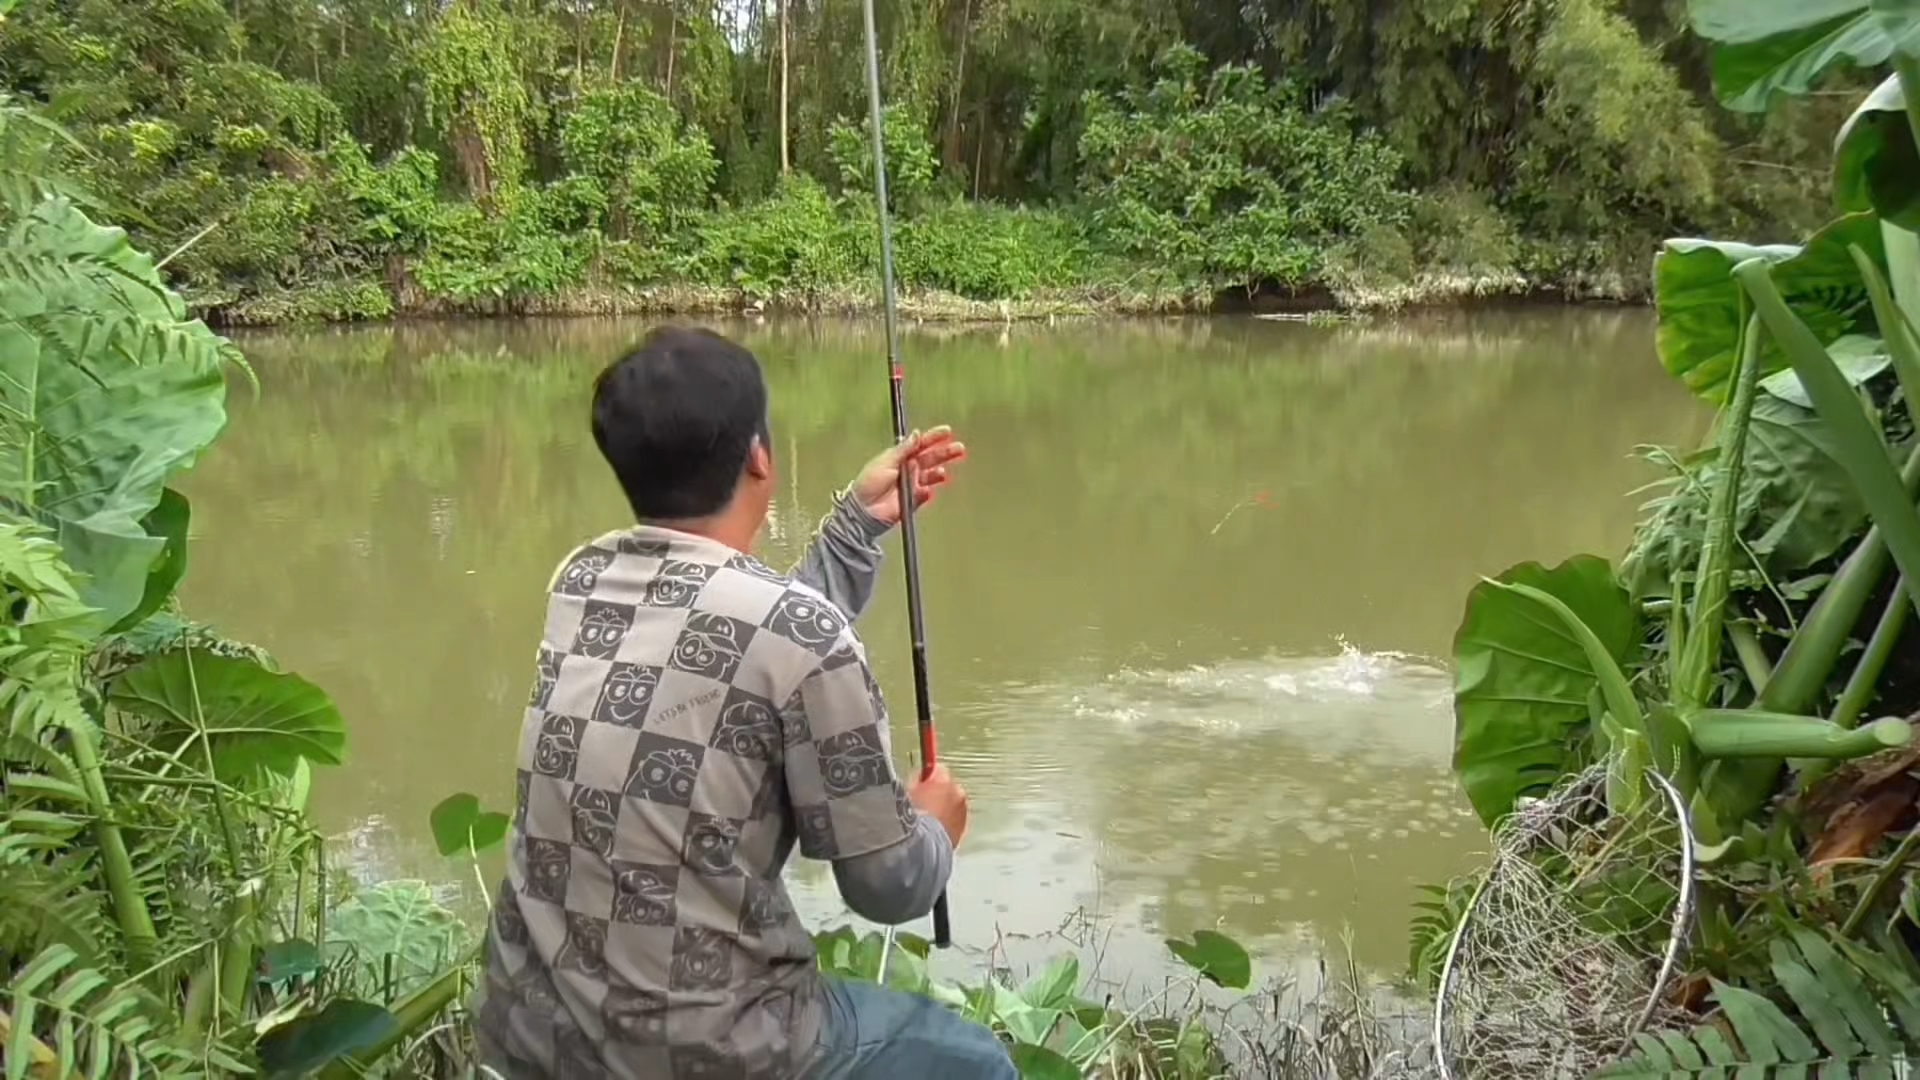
(1745, 646)
(166, 907)
(357, 158)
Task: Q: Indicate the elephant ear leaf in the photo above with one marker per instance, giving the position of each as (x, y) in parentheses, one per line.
(1769, 48)
(1698, 301)
(107, 391)
(1876, 165)
(249, 719)
(1523, 679)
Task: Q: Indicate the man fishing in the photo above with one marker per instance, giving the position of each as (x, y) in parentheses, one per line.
(695, 715)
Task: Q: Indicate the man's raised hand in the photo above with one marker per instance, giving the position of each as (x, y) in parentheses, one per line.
(928, 457)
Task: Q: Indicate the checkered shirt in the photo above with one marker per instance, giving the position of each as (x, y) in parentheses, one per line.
(694, 714)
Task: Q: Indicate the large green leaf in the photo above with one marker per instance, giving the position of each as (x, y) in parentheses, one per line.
(1797, 507)
(1747, 76)
(1875, 164)
(304, 1044)
(1699, 304)
(1768, 47)
(1054, 986)
(290, 959)
(1522, 679)
(1858, 356)
(107, 390)
(168, 521)
(1031, 1025)
(1900, 21)
(251, 718)
(1740, 21)
(399, 920)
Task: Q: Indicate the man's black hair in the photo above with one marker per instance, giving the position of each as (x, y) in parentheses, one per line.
(676, 417)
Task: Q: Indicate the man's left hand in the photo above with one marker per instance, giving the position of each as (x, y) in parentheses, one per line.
(928, 457)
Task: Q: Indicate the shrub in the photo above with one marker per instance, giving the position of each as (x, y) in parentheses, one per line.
(654, 171)
(989, 252)
(799, 242)
(1229, 180)
(910, 160)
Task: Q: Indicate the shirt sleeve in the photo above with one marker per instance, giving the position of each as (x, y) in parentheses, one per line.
(900, 883)
(844, 558)
(847, 800)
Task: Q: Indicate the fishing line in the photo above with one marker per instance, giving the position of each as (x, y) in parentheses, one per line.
(897, 391)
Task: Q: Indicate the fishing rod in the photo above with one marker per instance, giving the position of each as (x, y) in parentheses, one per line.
(897, 390)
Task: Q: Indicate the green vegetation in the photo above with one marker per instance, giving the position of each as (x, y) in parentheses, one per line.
(165, 905)
(365, 158)
(1757, 619)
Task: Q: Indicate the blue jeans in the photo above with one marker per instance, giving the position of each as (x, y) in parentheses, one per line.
(873, 1033)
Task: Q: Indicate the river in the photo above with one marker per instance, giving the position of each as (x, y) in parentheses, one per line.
(1189, 603)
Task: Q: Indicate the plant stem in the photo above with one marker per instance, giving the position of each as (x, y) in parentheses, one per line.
(1865, 679)
(1903, 249)
(1753, 658)
(220, 810)
(1907, 66)
(237, 956)
(1716, 556)
(129, 907)
(201, 988)
(479, 879)
(1880, 882)
(1866, 674)
(1743, 733)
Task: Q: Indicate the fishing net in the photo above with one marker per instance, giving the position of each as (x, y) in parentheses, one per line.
(1569, 944)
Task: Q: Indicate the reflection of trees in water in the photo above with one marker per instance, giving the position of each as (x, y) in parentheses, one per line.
(386, 515)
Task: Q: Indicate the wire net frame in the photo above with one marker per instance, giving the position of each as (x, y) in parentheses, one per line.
(1569, 943)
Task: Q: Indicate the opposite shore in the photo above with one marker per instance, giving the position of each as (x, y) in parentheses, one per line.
(1311, 304)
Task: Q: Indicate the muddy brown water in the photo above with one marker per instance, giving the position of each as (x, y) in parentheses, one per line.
(1189, 605)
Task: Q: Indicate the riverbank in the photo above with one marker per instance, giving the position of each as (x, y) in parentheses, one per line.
(1358, 297)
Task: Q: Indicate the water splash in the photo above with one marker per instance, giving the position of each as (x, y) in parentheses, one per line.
(1352, 701)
